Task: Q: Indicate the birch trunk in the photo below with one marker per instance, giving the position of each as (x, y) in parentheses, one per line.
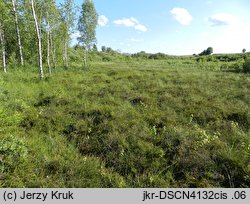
(38, 39)
(48, 44)
(85, 56)
(18, 33)
(3, 48)
(65, 55)
(53, 50)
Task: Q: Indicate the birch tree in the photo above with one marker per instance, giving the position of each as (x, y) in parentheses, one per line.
(67, 14)
(14, 7)
(87, 27)
(2, 41)
(39, 41)
(48, 30)
(48, 42)
(52, 24)
(53, 49)
(4, 14)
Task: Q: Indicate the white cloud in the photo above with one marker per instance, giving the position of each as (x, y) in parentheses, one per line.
(223, 19)
(181, 15)
(233, 38)
(131, 22)
(128, 22)
(75, 35)
(141, 28)
(227, 33)
(102, 20)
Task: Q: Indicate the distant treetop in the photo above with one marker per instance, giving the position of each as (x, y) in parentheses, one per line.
(208, 51)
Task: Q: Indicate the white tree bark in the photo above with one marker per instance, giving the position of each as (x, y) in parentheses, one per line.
(38, 39)
(85, 56)
(53, 50)
(3, 48)
(48, 51)
(65, 54)
(48, 43)
(18, 33)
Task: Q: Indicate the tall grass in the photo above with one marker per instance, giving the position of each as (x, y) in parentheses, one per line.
(127, 124)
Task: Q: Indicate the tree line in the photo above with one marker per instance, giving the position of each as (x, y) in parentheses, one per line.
(38, 32)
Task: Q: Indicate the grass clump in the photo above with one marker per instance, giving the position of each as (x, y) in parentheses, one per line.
(127, 124)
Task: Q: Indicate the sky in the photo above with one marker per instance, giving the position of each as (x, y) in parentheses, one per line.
(175, 27)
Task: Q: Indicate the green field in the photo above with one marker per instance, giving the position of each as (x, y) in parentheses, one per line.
(150, 123)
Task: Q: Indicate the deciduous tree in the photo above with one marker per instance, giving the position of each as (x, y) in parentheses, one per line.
(39, 40)
(15, 13)
(208, 51)
(4, 16)
(87, 27)
(2, 41)
(67, 14)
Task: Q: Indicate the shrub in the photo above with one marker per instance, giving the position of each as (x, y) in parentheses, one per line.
(106, 58)
(12, 152)
(246, 66)
(236, 67)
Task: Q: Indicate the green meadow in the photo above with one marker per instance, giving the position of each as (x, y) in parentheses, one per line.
(177, 122)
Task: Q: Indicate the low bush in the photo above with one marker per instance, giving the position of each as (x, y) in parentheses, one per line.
(246, 66)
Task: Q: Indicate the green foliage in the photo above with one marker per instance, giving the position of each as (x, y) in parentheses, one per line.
(144, 55)
(208, 51)
(13, 151)
(87, 24)
(236, 66)
(246, 66)
(9, 120)
(67, 15)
